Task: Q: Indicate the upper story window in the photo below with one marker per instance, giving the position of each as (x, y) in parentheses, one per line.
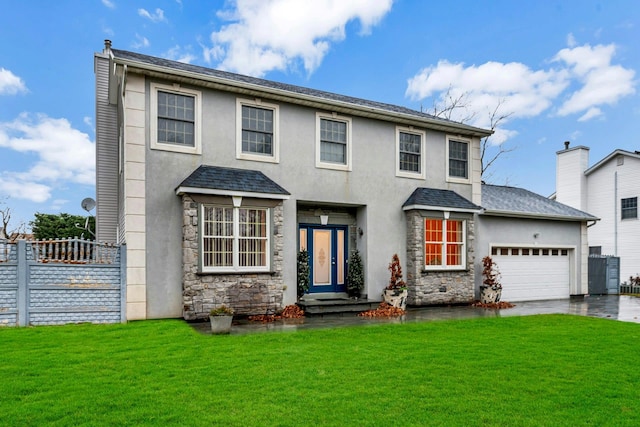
(333, 145)
(458, 159)
(257, 137)
(234, 239)
(629, 208)
(410, 153)
(175, 119)
(444, 243)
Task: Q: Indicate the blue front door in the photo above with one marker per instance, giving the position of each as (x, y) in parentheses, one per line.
(327, 247)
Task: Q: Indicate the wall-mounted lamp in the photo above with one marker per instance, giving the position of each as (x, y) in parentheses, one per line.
(536, 235)
(324, 219)
(360, 232)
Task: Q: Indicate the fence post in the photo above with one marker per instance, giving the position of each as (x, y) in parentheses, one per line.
(23, 304)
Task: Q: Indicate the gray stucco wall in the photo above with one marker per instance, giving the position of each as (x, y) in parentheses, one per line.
(503, 231)
(371, 188)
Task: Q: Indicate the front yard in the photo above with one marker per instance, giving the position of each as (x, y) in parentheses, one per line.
(516, 371)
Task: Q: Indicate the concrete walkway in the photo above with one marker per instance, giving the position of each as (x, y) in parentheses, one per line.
(623, 308)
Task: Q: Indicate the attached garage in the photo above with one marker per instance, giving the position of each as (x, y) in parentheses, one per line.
(534, 273)
(539, 245)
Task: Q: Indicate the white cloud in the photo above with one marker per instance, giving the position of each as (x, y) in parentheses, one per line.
(63, 155)
(590, 114)
(177, 53)
(581, 80)
(10, 84)
(269, 35)
(158, 16)
(602, 82)
(140, 42)
(571, 40)
(109, 4)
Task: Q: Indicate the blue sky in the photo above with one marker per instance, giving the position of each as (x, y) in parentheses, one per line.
(559, 70)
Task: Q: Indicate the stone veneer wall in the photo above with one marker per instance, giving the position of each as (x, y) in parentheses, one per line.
(436, 287)
(248, 293)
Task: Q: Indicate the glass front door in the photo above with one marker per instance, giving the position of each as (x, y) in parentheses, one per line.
(327, 256)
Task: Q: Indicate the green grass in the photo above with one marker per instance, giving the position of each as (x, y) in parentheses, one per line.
(511, 371)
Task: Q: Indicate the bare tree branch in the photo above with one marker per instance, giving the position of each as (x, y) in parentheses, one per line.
(494, 120)
(5, 231)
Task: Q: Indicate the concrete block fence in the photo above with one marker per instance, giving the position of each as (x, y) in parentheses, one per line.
(55, 290)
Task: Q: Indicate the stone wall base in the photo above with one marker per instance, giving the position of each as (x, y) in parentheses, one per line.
(246, 294)
(454, 287)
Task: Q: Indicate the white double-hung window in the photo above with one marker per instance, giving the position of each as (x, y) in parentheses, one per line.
(333, 142)
(234, 239)
(175, 119)
(410, 153)
(257, 131)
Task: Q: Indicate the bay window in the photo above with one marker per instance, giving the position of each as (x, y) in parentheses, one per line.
(444, 243)
(234, 239)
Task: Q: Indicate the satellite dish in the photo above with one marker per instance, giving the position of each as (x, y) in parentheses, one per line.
(88, 204)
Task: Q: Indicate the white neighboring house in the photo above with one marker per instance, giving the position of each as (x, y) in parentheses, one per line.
(609, 190)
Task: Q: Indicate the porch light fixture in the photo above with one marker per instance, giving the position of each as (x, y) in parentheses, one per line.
(324, 219)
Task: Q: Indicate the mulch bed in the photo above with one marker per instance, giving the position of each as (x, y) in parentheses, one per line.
(289, 312)
(384, 310)
(498, 305)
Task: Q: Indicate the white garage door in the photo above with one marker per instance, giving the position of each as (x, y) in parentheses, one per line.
(533, 273)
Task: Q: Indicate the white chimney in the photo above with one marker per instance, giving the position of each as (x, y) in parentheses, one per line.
(571, 182)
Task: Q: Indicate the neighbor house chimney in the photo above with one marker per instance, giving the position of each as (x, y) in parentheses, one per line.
(571, 182)
(107, 46)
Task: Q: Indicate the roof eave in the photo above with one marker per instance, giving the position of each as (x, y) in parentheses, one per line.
(181, 190)
(531, 215)
(304, 99)
(439, 208)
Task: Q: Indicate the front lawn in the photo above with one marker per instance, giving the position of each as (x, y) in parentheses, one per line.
(513, 371)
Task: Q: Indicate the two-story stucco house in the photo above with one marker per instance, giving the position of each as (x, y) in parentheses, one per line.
(215, 181)
(609, 189)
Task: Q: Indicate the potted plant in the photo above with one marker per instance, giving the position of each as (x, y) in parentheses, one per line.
(221, 318)
(355, 275)
(303, 273)
(395, 294)
(491, 288)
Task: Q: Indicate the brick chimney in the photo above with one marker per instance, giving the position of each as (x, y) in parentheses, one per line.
(571, 182)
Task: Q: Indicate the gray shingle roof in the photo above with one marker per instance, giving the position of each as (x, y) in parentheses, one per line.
(518, 201)
(232, 180)
(432, 197)
(293, 89)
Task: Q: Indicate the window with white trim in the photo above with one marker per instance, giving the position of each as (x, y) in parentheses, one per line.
(234, 239)
(444, 243)
(175, 119)
(257, 131)
(458, 159)
(629, 208)
(410, 153)
(333, 142)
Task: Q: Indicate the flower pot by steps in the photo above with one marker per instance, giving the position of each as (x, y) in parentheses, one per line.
(220, 324)
(396, 297)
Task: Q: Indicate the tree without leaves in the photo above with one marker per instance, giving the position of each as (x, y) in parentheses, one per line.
(7, 232)
(453, 106)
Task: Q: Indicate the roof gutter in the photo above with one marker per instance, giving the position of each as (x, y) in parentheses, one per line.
(528, 215)
(310, 100)
(217, 192)
(440, 209)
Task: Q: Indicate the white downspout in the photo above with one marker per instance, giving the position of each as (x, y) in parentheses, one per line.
(615, 213)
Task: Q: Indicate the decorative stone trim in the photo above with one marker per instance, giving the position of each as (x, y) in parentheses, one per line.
(247, 294)
(436, 287)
